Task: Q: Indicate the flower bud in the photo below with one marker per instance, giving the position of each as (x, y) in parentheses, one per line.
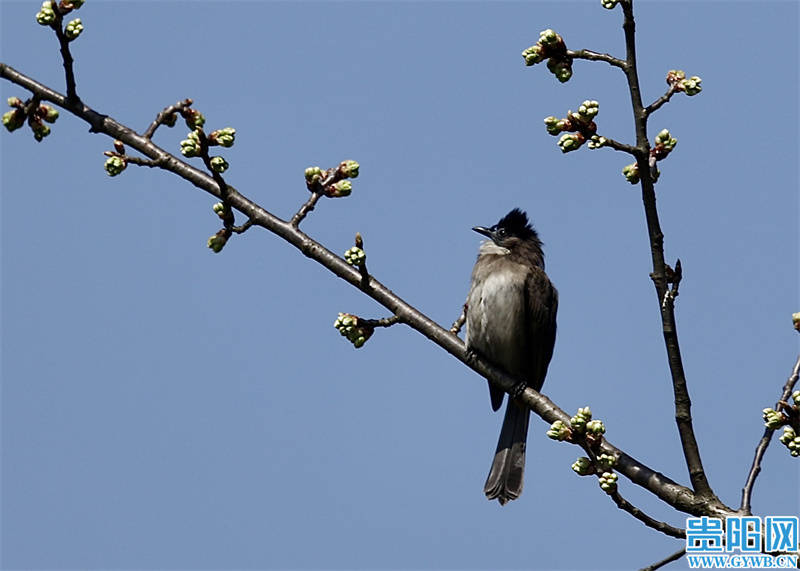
(582, 466)
(222, 137)
(595, 427)
(558, 431)
(46, 15)
(218, 164)
(14, 119)
(115, 165)
(533, 54)
(73, 29)
(349, 169)
(339, 189)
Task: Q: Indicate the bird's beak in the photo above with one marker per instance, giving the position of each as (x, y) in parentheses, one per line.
(485, 231)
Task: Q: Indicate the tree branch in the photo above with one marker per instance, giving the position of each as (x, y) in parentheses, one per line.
(683, 416)
(594, 56)
(761, 449)
(678, 496)
(659, 564)
(661, 526)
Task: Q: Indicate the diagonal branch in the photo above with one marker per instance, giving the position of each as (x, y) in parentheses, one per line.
(674, 494)
(683, 404)
(661, 526)
(761, 449)
(669, 559)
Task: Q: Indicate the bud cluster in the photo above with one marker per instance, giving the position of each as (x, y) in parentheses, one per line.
(580, 126)
(355, 256)
(191, 145)
(218, 164)
(795, 317)
(218, 240)
(550, 47)
(609, 4)
(222, 137)
(73, 29)
(193, 118)
(583, 466)
(37, 117)
(773, 419)
(664, 145)
(678, 80)
(348, 325)
(791, 440)
(608, 482)
(333, 182)
(559, 431)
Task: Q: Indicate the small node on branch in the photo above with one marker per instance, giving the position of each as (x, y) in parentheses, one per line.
(609, 4)
(677, 79)
(580, 123)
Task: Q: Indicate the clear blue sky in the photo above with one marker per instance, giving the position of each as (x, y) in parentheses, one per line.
(165, 407)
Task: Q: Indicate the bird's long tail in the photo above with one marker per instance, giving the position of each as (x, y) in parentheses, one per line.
(505, 479)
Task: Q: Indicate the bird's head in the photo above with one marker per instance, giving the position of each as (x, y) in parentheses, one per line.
(512, 230)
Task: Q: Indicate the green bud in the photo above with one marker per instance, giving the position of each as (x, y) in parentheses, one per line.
(76, 3)
(788, 435)
(46, 15)
(608, 482)
(772, 418)
(220, 210)
(533, 55)
(675, 75)
(595, 427)
(190, 146)
(588, 110)
(692, 85)
(194, 119)
(223, 137)
(796, 397)
(582, 466)
(14, 119)
(340, 189)
(609, 4)
(115, 165)
(49, 114)
(585, 412)
(795, 316)
(570, 142)
(217, 241)
(631, 173)
(313, 174)
(607, 460)
(349, 169)
(561, 68)
(355, 256)
(558, 431)
(548, 37)
(14, 102)
(597, 142)
(553, 125)
(40, 131)
(73, 29)
(218, 164)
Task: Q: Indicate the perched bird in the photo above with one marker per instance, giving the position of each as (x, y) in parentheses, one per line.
(511, 321)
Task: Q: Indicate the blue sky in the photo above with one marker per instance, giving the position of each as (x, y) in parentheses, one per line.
(165, 407)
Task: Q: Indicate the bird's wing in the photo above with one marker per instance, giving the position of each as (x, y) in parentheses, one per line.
(541, 303)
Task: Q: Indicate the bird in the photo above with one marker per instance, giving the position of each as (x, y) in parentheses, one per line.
(511, 322)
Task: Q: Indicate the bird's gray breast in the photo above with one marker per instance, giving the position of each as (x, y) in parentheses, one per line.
(496, 314)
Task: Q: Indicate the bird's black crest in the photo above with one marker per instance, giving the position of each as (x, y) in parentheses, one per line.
(516, 223)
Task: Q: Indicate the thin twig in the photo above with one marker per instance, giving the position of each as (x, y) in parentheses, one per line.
(459, 323)
(624, 147)
(659, 564)
(66, 56)
(143, 162)
(661, 100)
(305, 209)
(761, 449)
(383, 322)
(244, 227)
(683, 404)
(164, 115)
(661, 526)
(595, 56)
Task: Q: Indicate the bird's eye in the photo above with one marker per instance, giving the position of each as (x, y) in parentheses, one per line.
(501, 232)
